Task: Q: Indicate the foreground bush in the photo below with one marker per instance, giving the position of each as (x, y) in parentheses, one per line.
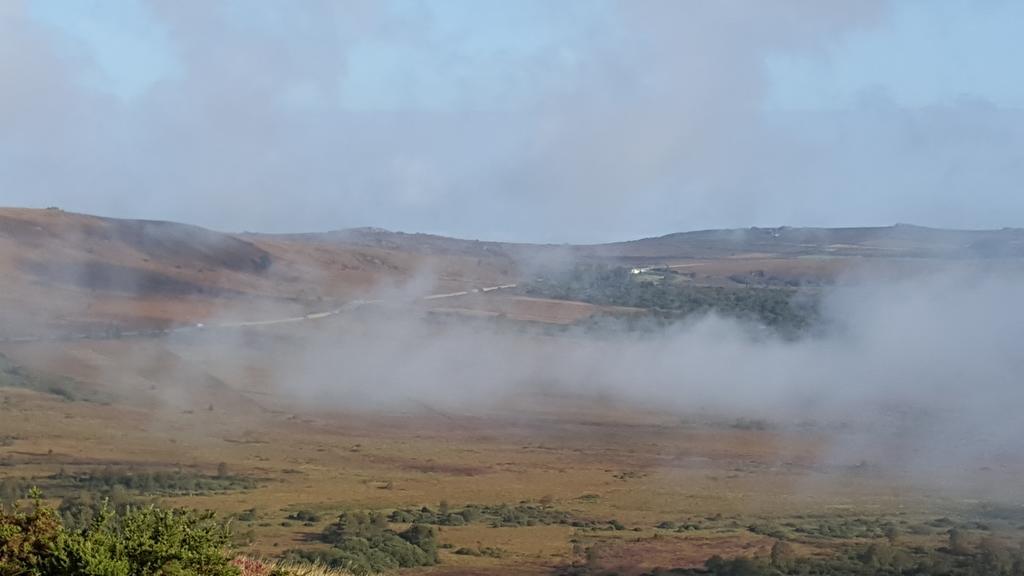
(143, 542)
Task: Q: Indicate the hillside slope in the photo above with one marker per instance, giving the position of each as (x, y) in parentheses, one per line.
(901, 240)
(61, 271)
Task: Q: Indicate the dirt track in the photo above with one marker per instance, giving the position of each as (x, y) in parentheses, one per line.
(354, 304)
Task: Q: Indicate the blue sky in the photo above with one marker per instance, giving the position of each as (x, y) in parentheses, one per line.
(570, 121)
(130, 47)
(920, 53)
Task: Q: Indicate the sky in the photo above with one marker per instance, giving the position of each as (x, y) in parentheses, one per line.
(570, 121)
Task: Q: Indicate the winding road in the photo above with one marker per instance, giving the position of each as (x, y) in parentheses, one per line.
(348, 307)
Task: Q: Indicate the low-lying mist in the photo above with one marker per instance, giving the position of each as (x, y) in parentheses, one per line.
(921, 372)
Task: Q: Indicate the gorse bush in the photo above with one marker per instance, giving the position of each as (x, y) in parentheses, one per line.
(143, 542)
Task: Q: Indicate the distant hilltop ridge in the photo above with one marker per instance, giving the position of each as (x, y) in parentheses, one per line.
(192, 243)
(63, 272)
(898, 240)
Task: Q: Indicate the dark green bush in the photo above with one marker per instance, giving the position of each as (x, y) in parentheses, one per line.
(364, 543)
(500, 515)
(988, 558)
(784, 309)
(142, 542)
(156, 482)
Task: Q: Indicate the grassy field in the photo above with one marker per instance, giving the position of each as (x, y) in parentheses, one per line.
(635, 489)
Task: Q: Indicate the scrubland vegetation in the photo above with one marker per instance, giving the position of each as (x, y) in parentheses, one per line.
(84, 493)
(364, 543)
(140, 542)
(496, 516)
(132, 541)
(594, 487)
(144, 540)
(606, 519)
(783, 308)
(151, 482)
(988, 557)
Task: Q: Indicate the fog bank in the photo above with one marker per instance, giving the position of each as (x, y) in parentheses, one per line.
(927, 367)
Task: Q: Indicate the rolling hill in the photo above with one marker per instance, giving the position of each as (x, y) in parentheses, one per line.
(63, 271)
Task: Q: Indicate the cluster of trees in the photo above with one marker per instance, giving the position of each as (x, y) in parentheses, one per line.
(499, 516)
(364, 543)
(142, 542)
(988, 558)
(785, 309)
(158, 482)
(847, 528)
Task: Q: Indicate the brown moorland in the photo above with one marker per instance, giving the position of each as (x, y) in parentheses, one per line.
(646, 487)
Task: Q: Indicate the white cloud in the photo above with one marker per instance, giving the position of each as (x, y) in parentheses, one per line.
(613, 120)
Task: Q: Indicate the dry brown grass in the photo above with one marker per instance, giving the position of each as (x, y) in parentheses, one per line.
(191, 404)
(593, 459)
(304, 275)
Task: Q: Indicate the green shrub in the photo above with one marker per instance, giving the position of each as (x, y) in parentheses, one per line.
(364, 543)
(784, 309)
(990, 558)
(501, 515)
(157, 482)
(143, 542)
